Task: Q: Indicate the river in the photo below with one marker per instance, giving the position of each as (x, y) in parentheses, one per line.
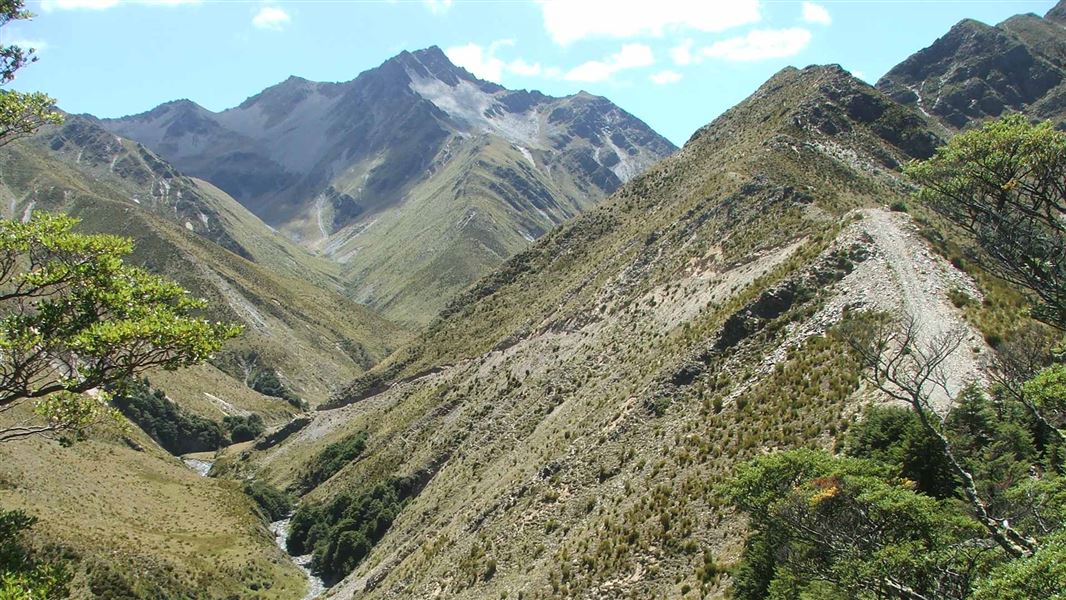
(315, 584)
(280, 529)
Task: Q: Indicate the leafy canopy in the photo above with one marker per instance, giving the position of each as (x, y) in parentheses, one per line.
(20, 113)
(1003, 184)
(75, 319)
(22, 577)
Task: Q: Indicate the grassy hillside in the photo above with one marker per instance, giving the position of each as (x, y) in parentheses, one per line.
(417, 177)
(484, 202)
(562, 429)
(134, 522)
(146, 525)
(296, 322)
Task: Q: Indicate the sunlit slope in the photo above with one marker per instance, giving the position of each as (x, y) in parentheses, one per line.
(294, 318)
(568, 419)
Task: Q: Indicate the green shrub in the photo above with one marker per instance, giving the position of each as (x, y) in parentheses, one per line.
(274, 503)
(330, 460)
(340, 533)
(22, 577)
(177, 431)
(267, 382)
(959, 298)
(243, 429)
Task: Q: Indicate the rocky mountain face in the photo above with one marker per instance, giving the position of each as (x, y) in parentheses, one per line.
(416, 176)
(562, 429)
(978, 71)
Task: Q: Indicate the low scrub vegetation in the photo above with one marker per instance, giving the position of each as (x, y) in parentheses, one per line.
(176, 430)
(330, 460)
(275, 504)
(341, 532)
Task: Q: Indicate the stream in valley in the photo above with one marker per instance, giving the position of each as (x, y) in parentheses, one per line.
(315, 584)
(280, 529)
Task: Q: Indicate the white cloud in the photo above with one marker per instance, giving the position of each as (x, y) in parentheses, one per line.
(50, 5)
(521, 67)
(484, 63)
(631, 56)
(271, 17)
(816, 13)
(760, 45)
(859, 75)
(438, 6)
(477, 60)
(665, 77)
(682, 53)
(570, 20)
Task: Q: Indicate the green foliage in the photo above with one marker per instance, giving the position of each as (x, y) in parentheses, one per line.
(331, 459)
(177, 431)
(267, 382)
(851, 525)
(1003, 184)
(24, 113)
(892, 435)
(21, 576)
(274, 503)
(1048, 392)
(341, 532)
(1042, 575)
(887, 518)
(244, 428)
(20, 113)
(74, 317)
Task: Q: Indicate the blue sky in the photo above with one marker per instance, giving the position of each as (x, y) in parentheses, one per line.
(676, 64)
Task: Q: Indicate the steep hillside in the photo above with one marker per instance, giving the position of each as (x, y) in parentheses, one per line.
(147, 525)
(562, 429)
(295, 320)
(977, 71)
(416, 176)
(137, 523)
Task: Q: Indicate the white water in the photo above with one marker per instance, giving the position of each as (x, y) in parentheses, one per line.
(315, 585)
(203, 467)
(280, 529)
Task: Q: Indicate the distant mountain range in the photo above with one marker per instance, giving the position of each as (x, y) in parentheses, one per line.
(416, 176)
(977, 71)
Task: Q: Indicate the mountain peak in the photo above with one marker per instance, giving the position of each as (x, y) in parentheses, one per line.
(433, 63)
(431, 53)
(280, 97)
(976, 71)
(825, 102)
(182, 106)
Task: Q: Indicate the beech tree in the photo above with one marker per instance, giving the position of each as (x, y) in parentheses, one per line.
(75, 320)
(909, 369)
(1004, 185)
(20, 113)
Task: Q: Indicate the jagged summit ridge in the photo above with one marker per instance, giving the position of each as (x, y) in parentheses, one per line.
(304, 131)
(340, 167)
(977, 71)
